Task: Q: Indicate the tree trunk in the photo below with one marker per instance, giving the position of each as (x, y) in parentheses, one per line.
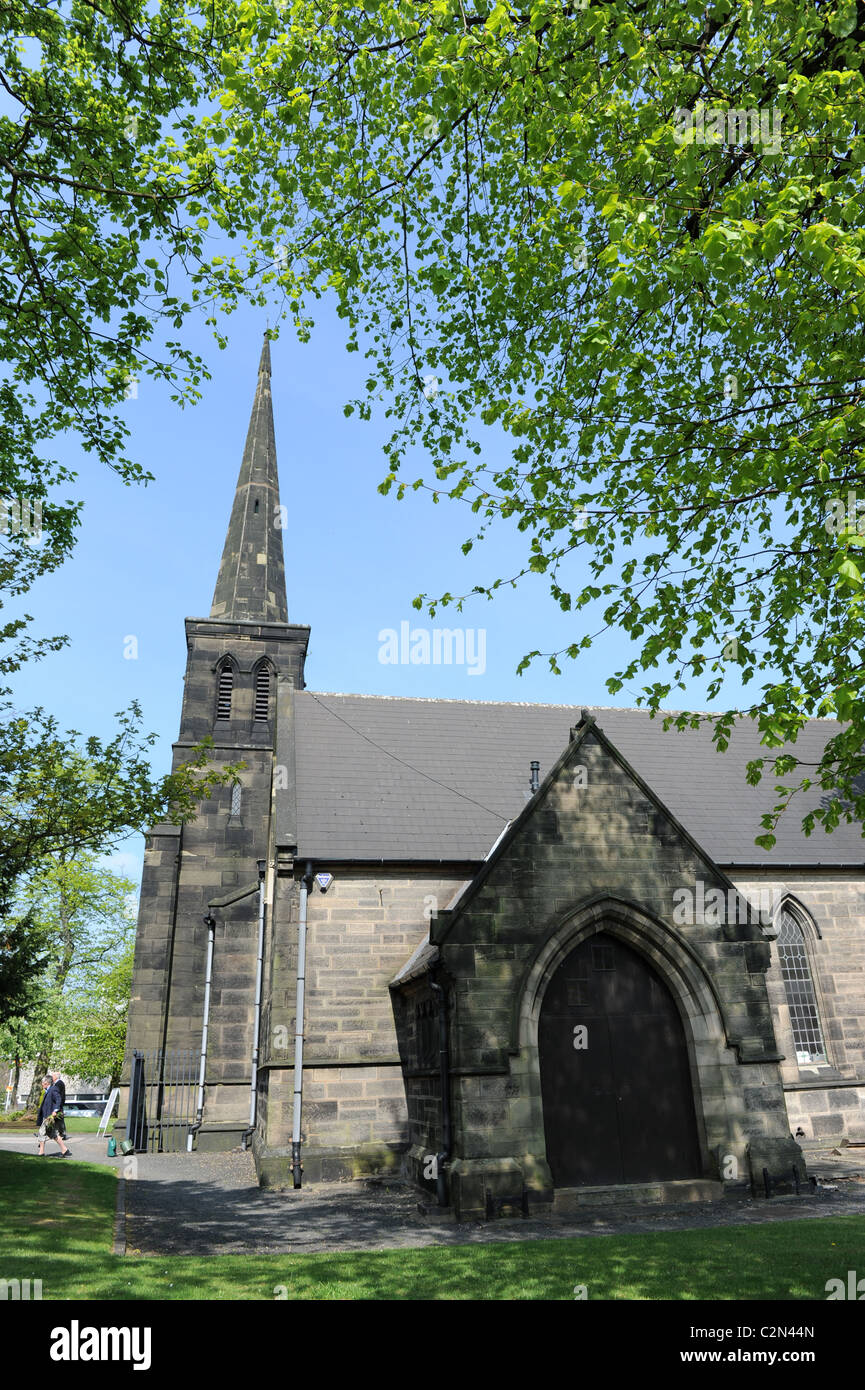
(61, 971)
(42, 1061)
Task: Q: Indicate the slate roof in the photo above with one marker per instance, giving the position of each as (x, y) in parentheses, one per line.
(425, 954)
(383, 778)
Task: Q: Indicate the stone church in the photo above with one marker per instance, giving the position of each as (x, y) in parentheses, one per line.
(538, 952)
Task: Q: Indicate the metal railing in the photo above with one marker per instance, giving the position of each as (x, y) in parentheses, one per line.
(161, 1100)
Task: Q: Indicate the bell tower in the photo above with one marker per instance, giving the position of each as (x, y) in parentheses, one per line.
(242, 663)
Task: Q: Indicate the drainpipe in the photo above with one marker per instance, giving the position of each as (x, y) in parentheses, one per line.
(296, 1166)
(210, 923)
(443, 1156)
(256, 1023)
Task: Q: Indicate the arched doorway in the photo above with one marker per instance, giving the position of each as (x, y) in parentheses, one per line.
(617, 1096)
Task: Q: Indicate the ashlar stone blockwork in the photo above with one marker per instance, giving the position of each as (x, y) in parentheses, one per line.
(593, 851)
(360, 931)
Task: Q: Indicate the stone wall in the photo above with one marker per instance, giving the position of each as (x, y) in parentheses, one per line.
(359, 934)
(213, 858)
(594, 851)
(416, 1015)
(826, 1101)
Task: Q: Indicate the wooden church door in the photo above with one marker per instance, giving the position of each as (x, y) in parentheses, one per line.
(615, 1079)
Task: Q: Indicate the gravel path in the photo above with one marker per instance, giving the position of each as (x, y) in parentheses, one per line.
(209, 1204)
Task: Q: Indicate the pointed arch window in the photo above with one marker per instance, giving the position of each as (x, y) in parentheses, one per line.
(262, 692)
(799, 989)
(224, 689)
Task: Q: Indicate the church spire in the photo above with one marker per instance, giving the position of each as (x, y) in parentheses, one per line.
(251, 580)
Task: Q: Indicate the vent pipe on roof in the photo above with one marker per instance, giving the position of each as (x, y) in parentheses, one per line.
(535, 771)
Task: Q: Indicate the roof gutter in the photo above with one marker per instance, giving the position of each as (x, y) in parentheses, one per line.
(770, 866)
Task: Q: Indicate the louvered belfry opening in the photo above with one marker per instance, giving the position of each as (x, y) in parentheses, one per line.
(262, 692)
(223, 691)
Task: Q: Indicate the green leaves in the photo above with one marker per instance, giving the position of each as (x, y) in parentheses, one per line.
(628, 39)
(663, 313)
(106, 179)
(571, 193)
(844, 20)
(497, 19)
(61, 794)
(80, 915)
(848, 574)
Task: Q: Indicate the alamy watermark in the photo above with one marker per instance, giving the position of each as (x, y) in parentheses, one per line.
(854, 1290)
(715, 907)
(21, 516)
(77, 1343)
(846, 516)
(441, 646)
(715, 126)
(20, 1290)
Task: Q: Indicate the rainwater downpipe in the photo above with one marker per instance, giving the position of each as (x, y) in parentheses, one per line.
(296, 1166)
(210, 923)
(443, 1157)
(256, 1017)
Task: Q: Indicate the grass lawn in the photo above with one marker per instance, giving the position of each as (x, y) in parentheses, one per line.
(78, 1125)
(57, 1222)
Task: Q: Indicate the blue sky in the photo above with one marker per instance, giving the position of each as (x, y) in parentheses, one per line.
(147, 557)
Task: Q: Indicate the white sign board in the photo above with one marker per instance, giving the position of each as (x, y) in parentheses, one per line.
(108, 1112)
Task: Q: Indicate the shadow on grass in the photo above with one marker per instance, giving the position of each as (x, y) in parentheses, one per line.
(63, 1207)
(60, 1231)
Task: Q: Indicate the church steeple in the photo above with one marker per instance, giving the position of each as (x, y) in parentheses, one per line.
(251, 580)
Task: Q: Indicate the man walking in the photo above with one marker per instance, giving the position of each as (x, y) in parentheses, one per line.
(51, 1115)
(46, 1128)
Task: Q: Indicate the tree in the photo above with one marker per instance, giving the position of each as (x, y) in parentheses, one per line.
(63, 803)
(82, 915)
(61, 796)
(632, 236)
(91, 1037)
(106, 183)
(108, 186)
(22, 959)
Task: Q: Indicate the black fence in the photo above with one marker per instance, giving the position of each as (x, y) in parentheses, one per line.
(162, 1092)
